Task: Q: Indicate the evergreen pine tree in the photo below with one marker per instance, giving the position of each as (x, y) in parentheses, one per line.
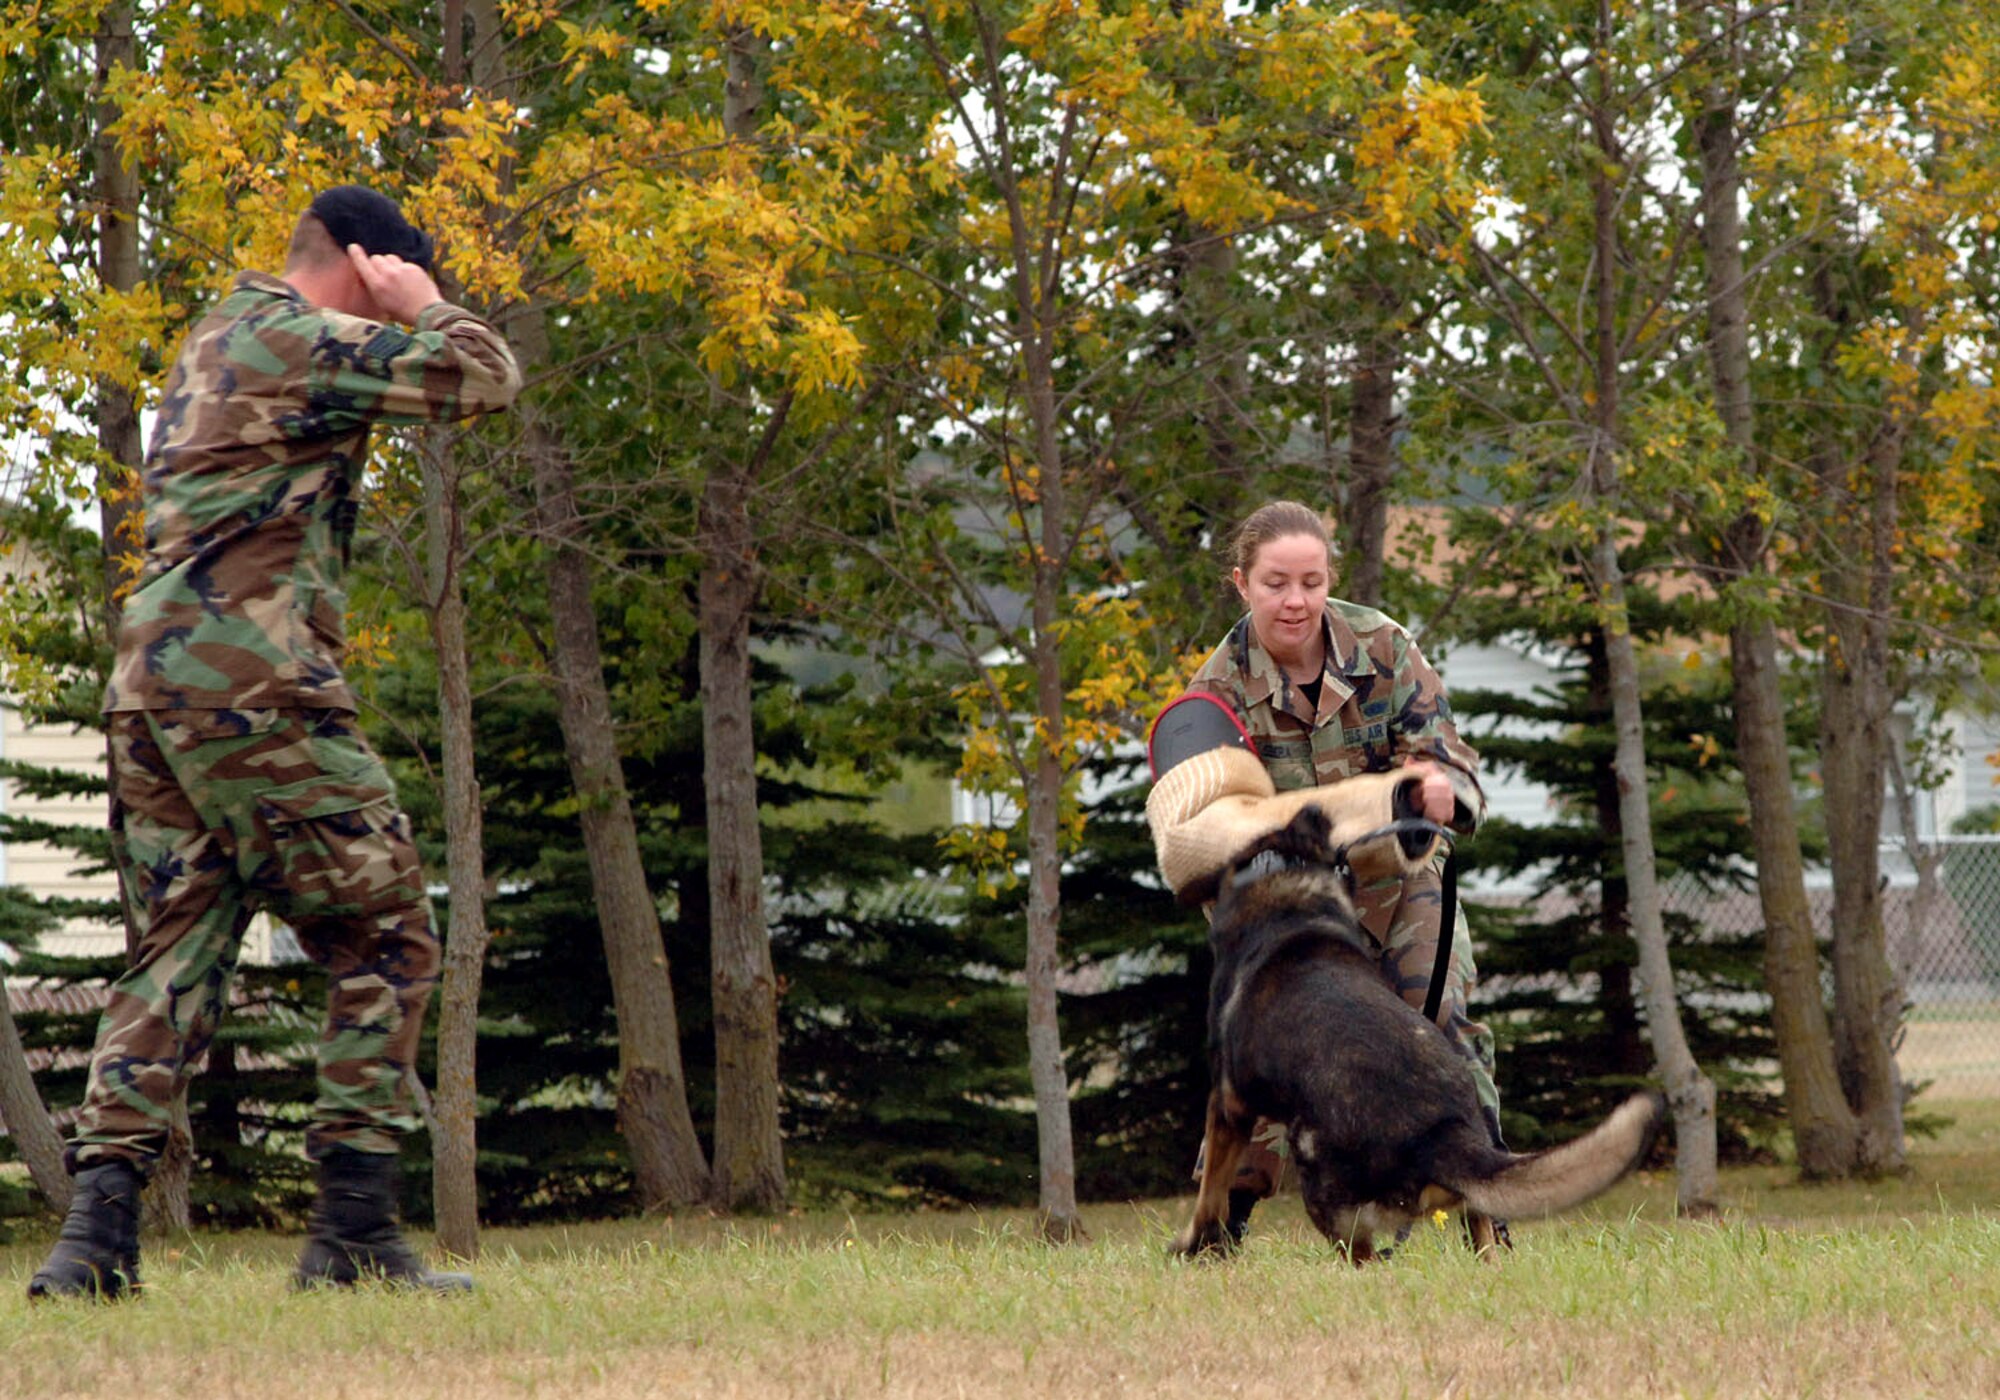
(900, 1047)
(1136, 1021)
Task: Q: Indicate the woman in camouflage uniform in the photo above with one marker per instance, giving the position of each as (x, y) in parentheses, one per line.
(1328, 690)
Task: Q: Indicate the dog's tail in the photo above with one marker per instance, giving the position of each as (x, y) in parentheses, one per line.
(1541, 1183)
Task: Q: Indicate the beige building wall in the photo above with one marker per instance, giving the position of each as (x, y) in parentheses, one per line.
(43, 869)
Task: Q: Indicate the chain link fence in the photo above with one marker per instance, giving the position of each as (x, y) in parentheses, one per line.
(1941, 915)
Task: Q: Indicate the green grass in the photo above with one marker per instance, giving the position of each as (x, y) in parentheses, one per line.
(1889, 1288)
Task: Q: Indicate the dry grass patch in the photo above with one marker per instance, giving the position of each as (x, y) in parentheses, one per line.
(1885, 1289)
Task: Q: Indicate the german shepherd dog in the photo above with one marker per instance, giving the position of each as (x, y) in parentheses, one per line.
(1385, 1123)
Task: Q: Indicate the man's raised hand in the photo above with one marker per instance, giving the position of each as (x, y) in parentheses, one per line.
(400, 289)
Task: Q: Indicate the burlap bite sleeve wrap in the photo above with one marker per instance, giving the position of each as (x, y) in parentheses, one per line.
(1207, 809)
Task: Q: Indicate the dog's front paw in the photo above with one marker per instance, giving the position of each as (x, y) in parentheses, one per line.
(1204, 1240)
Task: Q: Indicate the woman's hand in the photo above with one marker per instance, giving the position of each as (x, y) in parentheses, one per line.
(1435, 797)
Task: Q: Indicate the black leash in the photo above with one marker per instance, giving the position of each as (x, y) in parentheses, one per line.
(1447, 927)
(1448, 923)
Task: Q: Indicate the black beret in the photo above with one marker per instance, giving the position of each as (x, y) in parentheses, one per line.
(357, 214)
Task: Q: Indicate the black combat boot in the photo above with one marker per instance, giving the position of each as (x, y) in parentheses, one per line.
(97, 1253)
(352, 1235)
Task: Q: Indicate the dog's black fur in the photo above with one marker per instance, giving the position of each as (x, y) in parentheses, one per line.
(1385, 1121)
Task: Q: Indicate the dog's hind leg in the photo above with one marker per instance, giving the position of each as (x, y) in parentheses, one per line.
(1480, 1232)
(1484, 1239)
(1222, 1149)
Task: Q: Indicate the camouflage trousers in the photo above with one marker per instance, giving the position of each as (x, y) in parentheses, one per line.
(225, 812)
(1403, 916)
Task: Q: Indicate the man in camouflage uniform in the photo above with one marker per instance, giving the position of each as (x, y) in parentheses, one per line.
(239, 777)
(1380, 707)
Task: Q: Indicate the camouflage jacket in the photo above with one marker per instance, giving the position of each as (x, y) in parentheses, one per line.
(1380, 706)
(251, 485)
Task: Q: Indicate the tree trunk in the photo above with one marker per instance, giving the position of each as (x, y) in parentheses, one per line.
(1211, 303)
(26, 1119)
(452, 1115)
(667, 1161)
(1925, 857)
(1371, 452)
(1617, 999)
(749, 1157)
(166, 1206)
(749, 1167)
(166, 1197)
(1060, 1219)
(454, 1140)
(1689, 1091)
(1056, 1153)
(1855, 714)
(1823, 1128)
(1036, 284)
(117, 412)
(653, 1115)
